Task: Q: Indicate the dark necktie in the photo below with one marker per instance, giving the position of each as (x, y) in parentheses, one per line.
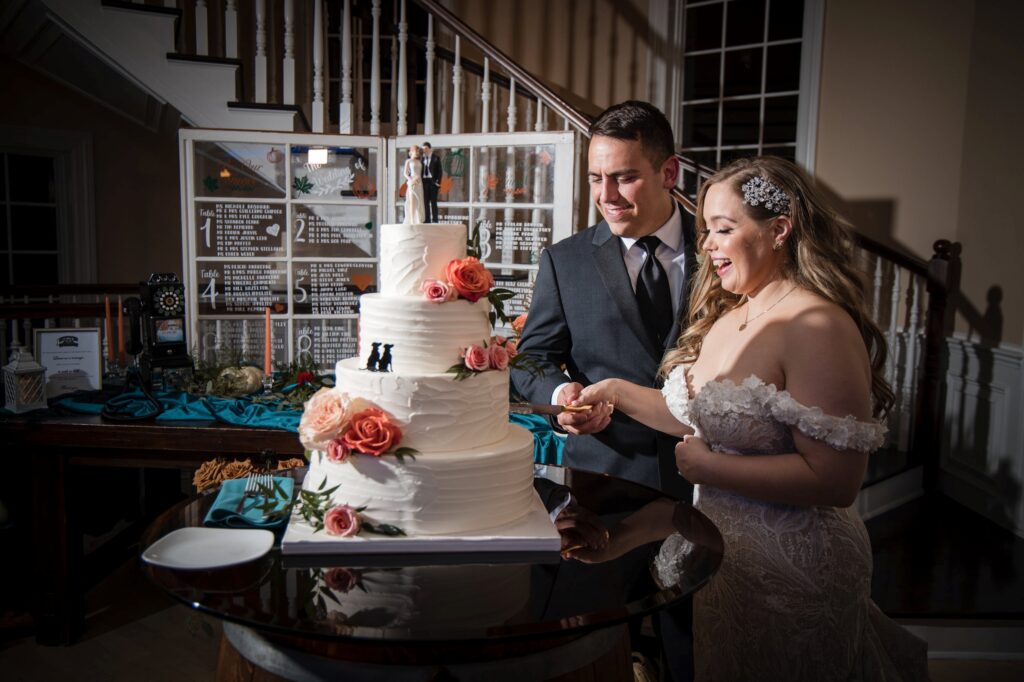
(652, 293)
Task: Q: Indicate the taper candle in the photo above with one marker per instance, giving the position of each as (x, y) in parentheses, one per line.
(110, 331)
(267, 369)
(121, 358)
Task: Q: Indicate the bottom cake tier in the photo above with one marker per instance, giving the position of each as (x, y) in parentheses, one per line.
(436, 493)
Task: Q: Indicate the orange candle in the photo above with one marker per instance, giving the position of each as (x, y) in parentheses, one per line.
(110, 331)
(267, 369)
(120, 333)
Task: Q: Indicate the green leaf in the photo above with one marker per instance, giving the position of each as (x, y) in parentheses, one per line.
(383, 529)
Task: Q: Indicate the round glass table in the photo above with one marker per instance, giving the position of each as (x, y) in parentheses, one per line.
(423, 616)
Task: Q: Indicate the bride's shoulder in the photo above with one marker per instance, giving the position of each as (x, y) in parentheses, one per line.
(815, 318)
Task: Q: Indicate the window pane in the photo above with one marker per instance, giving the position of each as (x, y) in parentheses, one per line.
(706, 158)
(780, 119)
(3, 228)
(703, 27)
(743, 72)
(785, 19)
(783, 70)
(745, 23)
(3, 177)
(786, 152)
(730, 155)
(35, 269)
(700, 125)
(31, 178)
(740, 121)
(34, 228)
(701, 76)
(5, 269)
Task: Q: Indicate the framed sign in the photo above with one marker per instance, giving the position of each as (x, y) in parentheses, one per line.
(72, 357)
(283, 221)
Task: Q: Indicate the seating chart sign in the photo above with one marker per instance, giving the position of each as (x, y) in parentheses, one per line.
(281, 222)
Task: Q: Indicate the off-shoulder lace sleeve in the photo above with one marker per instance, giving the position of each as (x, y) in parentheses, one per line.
(677, 394)
(842, 433)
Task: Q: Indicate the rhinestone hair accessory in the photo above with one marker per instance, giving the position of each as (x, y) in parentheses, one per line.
(760, 190)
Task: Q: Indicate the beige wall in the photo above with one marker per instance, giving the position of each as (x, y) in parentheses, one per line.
(135, 173)
(594, 49)
(917, 103)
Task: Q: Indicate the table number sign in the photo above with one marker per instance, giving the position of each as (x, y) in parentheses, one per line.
(264, 227)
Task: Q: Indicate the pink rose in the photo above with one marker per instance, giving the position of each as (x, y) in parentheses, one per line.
(499, 339)
(477, 358)
(337, 451)
(518, 324)
(470, 278)
(437, 291)
(343, 521)
(512, 349)
(325, 415)
(340, 579)
(371, 432)
(498, 357)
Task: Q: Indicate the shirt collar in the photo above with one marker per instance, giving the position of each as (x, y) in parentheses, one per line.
(670, 234)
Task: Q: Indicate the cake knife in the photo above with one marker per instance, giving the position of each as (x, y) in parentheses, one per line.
(536, 408)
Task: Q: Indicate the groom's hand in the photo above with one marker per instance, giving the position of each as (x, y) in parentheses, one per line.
(582, 423)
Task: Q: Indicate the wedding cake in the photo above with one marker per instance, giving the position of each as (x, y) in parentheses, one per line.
(465, 468)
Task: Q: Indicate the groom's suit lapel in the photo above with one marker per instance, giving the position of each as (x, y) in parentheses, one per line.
(610, 266)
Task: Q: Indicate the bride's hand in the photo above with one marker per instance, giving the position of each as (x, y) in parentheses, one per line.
(692, 458)
(601, 392)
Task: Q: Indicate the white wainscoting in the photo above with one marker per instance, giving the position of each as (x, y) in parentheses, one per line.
(983, 434)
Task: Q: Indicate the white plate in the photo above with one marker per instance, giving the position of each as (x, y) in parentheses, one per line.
(192, 548)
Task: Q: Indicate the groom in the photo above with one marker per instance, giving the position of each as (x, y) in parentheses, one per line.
(431, 181)
(608, 302)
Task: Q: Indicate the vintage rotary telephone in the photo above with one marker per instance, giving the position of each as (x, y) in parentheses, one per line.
(158, 325)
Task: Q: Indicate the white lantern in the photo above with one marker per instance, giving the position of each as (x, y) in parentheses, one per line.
(24, 382)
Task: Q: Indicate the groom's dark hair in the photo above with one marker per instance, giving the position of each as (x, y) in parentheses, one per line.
(635, 120)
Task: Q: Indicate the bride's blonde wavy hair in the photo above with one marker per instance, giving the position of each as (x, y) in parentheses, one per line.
(818, 258)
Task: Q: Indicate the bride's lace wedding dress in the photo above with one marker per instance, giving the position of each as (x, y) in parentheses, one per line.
(791, 600)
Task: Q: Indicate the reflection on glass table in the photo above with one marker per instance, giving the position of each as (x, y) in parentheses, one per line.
(447, 605)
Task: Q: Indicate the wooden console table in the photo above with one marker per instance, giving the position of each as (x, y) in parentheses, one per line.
(55, 445)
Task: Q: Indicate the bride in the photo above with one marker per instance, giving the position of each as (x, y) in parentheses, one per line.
(415, 209)
(776, 388)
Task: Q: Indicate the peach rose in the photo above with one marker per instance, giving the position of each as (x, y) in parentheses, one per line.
(512, 349)
(437, 291)
(498, 357)
(340, 579)
(337, 451)
(470, 278)
(371, 432)
(343, 521)
(518, 324)
(477, 358)
(325, 415)
(499, 339)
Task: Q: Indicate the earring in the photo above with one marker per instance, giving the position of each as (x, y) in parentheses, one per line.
(776, 246)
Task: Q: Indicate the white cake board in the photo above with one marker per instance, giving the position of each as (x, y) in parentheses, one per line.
(533, 533)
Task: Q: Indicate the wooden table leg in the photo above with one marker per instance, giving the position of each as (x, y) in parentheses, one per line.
(58, 609)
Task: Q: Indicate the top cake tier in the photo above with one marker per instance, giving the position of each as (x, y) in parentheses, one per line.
(412, 254)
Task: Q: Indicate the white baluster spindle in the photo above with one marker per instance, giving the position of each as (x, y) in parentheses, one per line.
(375, 71)
(231, 29)
(318, 66)
(511, 115)
(428, 114)
(403, 85)
(539, 125)
(288, 63)
(485, 98)
(345, 109)
(457, 91)
(260, 60)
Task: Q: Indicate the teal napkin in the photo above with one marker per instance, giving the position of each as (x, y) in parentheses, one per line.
(223, 513)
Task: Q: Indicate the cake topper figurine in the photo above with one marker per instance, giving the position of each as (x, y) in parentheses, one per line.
(385, 360)
(413, 173)
(374, 359)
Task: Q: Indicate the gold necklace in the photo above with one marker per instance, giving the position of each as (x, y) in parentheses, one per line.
(746, 312)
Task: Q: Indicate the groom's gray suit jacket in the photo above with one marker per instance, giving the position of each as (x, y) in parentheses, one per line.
(584, 316)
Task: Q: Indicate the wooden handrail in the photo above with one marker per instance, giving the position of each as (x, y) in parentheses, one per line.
(39, 290)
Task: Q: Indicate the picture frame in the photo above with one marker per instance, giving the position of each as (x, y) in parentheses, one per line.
(72, 357)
